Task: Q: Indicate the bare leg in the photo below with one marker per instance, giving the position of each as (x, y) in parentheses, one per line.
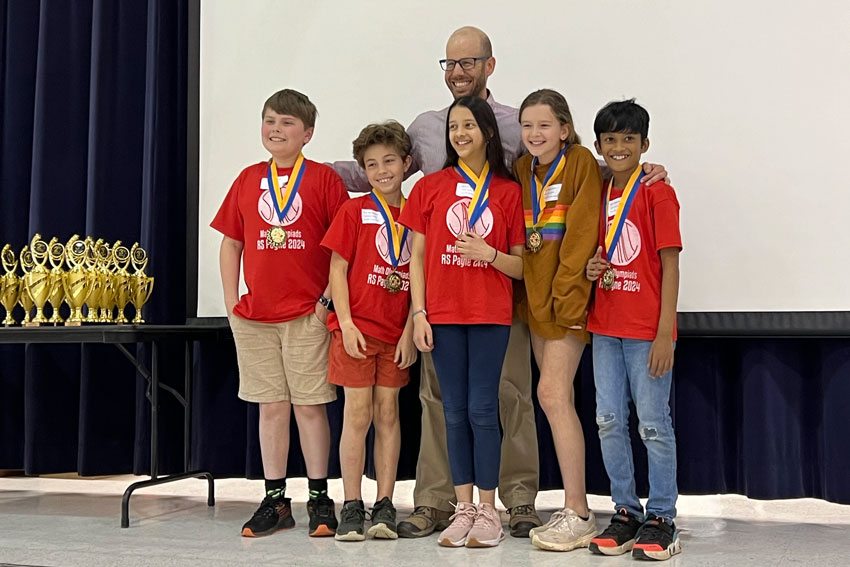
(387, 439)
(315, 435)
(274, 438)
(487, 497)
(357, 417)
(558, 361)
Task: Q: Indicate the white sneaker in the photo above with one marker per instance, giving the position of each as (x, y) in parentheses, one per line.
(556, 518)
(567, 532)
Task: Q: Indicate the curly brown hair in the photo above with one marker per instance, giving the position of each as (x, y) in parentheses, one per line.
(389, 133)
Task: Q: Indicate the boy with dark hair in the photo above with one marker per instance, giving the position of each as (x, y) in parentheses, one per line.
(372, 342)
(633, 321)
(273, 219)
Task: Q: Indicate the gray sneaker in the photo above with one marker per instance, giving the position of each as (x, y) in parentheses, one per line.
(351, 520)
(383, 520)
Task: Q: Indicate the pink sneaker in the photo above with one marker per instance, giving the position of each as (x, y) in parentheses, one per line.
(487, 529)
(462, 520)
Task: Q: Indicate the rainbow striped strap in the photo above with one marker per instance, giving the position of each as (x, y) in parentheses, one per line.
(539, 205)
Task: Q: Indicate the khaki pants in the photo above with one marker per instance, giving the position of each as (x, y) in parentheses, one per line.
(519, 474)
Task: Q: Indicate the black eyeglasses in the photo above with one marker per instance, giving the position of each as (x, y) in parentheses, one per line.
(465, 63)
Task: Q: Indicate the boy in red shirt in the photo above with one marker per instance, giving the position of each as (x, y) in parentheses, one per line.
(633, 321)
(372, 332)
(273, 219)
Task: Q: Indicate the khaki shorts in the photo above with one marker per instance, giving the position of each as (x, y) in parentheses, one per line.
(280, 362)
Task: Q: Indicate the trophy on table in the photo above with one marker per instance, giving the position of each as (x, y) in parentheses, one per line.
(56, 255)
(76, 280)
(25, 299)
(103, 254)
(38, 281)
(141, 285)
(95, 281)
(10, 284)
(121, 279)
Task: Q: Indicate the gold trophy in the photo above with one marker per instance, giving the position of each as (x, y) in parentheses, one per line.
(95, 281)
(107, 293)
(121, 279)
(56, 255)
(76, 280)
(142, 285)
(38, 281)
(25, 299)
(10, 284)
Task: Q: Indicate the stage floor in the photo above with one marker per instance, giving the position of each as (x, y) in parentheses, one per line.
(61, 522)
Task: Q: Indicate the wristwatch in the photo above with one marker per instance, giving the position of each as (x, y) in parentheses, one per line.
(326, 303)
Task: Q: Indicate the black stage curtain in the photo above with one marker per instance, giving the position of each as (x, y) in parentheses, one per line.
(94, 142)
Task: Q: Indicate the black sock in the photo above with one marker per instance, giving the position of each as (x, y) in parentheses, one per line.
(584, 519)
(317, 487)
(276, 488)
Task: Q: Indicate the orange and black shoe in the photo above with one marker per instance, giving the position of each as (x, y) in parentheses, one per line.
(273, 514)
(657, 539)
(322, 516)
(619, 537)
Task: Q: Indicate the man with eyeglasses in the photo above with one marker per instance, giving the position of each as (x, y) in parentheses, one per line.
(469, 62)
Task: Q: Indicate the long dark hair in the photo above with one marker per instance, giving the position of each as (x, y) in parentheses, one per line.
(486, 120)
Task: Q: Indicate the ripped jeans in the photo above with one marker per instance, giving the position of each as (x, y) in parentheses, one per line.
(621, 374)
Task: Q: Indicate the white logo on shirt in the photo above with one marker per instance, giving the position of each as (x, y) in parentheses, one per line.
(382, 245)
(457, 220)
(628, 247)
(266, 208)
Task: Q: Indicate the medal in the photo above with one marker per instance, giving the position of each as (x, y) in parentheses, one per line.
(612, 235)
(275, 238)
(481, 195)
(535, 241)
(393, 282)
(282, 199)
(396, 237)
(608, 279)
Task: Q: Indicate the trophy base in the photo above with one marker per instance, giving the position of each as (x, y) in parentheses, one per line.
(32, 324)
(73, 323)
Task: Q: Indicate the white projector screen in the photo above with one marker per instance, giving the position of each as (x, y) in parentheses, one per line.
(749, 104)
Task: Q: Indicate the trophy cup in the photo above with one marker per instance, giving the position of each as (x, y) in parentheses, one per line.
(142, 285)
(76, 280)
(37, 281)
(56, 255)
(25, 299)
(10, 284)
(121, 279)
(107, 293)
(95, 281)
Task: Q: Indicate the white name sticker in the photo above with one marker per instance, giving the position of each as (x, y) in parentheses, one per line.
(552, 192)
(281, 182)
(368, 216)
(464, 190)
(613, 205)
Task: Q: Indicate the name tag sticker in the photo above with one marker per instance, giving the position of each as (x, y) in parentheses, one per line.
(464, 190)
(281, 181)
(552, 192)
(613, 205)
(368, 216)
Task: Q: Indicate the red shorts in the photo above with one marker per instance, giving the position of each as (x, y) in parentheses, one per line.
(377, 369)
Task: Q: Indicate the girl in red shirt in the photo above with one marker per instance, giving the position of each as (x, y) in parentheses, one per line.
(467, 237)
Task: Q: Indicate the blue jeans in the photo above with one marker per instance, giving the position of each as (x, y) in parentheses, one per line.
(621, 374)
(468, 360)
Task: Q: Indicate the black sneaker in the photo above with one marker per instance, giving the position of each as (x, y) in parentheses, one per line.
(383, 520)
(351, 520)
(273, 514)
(322, 516)
(657, 539)
(618, 537)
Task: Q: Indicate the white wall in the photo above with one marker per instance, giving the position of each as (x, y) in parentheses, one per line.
(748, 103)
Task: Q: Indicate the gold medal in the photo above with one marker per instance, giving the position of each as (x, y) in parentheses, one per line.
(608, 279)
(275, 238)
(393, 282)
(535, 241)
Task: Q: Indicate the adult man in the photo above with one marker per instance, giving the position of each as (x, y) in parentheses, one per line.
(469, 62)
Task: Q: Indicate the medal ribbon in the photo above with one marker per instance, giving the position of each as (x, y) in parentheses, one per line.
(396, 234)
(481, 195)
(282, 200)
(612, 236)
(539, 205)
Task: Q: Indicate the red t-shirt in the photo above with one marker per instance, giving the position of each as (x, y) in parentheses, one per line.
(460, 291)
(283, 284)
(632, 308)
(359, 235)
